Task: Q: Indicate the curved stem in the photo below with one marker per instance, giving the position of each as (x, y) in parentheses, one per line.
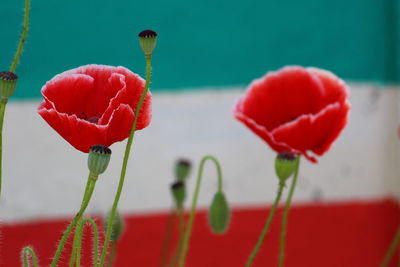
(25, 254)
(86, 198)
(75, 253)
(167, 238)
(392, 248)
(286, 213)
(23, 37)
(188, 232)
(3, 103)
(113, 212)
(266, 226)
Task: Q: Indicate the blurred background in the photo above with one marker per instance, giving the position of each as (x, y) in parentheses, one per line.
(346, 207)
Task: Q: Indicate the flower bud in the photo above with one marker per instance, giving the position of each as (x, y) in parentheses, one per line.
(117, 228)
(182, 169)
(218, 214)
(8, 83)
(147, 41)
(99, 157)
(285, 165)
(178, 190)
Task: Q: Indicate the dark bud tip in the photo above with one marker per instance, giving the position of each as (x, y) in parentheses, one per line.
(177, 185)
(147, 34)
(286, 156)
(100, 149)
(184, 162)
(8, 76)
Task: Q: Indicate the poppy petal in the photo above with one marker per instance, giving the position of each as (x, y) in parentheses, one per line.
(79, 133)
(335, 89)
(282, 96)
(313, 132)
(68, 93)
(120, 124)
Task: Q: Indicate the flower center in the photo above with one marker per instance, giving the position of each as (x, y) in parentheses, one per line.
(94, 120)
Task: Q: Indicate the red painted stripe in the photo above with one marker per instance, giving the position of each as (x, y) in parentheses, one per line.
(353, 234)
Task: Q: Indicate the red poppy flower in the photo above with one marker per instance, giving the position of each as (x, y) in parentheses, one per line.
(94, 104)
(296, 110)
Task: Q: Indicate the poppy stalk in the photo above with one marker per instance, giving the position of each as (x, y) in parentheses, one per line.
(148, 56)
(188, 231)
(391, 250)
(271, 215)
(26, 251)
(4, 98)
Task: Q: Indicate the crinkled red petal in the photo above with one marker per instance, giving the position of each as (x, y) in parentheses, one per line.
(282, 96)
(120, 124)
(335, 89)
(79, 133)
(314, 133)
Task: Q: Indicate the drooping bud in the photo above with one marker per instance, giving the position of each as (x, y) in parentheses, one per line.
(147, 41)
(219, 213)
(8, 83)
(117, 228)
(178, 190)
(285, 165)
(182, 169)
(99, 157)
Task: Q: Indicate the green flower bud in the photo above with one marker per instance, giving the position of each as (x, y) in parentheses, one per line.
(182, 169)
(178, 190)
(147, 41)
(99, 157)
(117, 228)
(218, 213)
(8, 83)
(285, 165)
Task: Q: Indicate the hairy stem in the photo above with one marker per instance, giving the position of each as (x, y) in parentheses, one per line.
(113, 212)
(85, 202)
(23, 37)
(26, 251)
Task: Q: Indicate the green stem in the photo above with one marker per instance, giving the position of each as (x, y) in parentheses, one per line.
(266, 226)
(167, 238)
(181, 216)
(23, 37)
(286, 213)
(3, 103)
(76, 245)
(113, 254)
(188, 232)
(25, 254)
(76, 248)
(86, 198)
(110, 221)
(392, 248)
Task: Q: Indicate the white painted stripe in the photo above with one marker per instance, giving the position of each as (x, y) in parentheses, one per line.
(45, 176)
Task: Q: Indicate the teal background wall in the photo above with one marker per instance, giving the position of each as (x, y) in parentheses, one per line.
(204, 43)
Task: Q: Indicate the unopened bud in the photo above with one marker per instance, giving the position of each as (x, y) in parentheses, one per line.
(218, 214)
